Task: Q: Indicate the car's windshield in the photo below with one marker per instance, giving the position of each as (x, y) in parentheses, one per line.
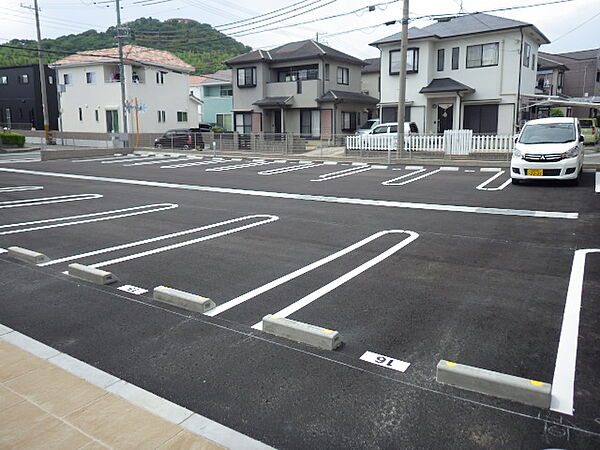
(586, 123)
(367, 125)
(547, 133)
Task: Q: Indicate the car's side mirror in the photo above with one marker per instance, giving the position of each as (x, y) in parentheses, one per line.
(516, 139)
(581, 138)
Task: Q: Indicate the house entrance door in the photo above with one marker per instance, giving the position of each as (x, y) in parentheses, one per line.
(277, 121)
(445, 117)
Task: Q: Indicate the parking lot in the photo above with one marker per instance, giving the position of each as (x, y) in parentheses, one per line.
(417, 263)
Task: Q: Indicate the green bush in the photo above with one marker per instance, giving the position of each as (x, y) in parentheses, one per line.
(12, 139)
(556, 112)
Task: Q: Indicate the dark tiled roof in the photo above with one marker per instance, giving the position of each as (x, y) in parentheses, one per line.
(346, 97)
(445, 85)
(545, 63)
(292, 51)
(275, 101)
(583, 54)
(373, 65)
(458, 26)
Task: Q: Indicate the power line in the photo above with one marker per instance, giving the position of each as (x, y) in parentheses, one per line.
(577, 27)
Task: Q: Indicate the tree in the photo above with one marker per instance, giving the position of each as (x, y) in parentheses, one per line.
(556, 112)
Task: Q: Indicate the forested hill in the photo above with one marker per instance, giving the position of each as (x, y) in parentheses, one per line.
(198, 44)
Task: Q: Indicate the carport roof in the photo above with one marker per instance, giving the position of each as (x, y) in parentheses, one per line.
(438, 85)
(346, 97)
(275, 101)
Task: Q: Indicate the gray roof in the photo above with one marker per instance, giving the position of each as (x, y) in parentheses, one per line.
(445, 85)
(373, 65)
(346, 97)
(546, 63)
(275, 101)
(293, 51)
(583, 54)
(460, 25)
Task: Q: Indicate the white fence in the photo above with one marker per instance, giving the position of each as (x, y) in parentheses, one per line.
(452, 142)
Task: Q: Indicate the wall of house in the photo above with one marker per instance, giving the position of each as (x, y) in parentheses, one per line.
(198, 92)
(215, 104)
(105, 94)
(244, 97)
(354, 79)
(369, 84)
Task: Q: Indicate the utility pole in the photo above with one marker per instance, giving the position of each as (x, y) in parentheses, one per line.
(402, 82)
(120, 36)
(42, 71)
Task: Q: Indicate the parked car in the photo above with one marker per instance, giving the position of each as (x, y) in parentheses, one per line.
(589, 129)
(367, 126)
(550, 148)
(186, 138)
(392, 128)
(205, 127)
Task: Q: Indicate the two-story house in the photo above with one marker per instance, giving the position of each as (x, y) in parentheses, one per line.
(472, 71)
(370, 81)
(156, 80)
(550, 76)
(302, 87)
(216, 92)
(21, 97)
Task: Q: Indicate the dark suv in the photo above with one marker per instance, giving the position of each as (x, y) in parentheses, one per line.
(186, 138)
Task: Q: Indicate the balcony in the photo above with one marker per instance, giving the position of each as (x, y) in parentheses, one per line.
(305, 99)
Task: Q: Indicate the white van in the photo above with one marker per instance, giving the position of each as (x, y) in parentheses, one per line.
(392, 128)
(550, 148)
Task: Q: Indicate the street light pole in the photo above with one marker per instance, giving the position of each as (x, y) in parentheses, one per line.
(122, 74)
(402, 81)
(42, 75)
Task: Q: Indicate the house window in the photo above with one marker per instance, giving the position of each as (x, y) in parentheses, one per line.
(455, 57)
(224, 121)
(326, 74)
(112, 121)
(349, 121)
(412, 61)
(226, 91)
(483, 55)
(299, 87)
(182, 116)
(526, 54)
(160, 77)
(80, 114)
(560, 80)
(3, 79)
(97, 115)
(310, 122)
(67, 78)
(598, 77)
(50, 79)
(390, 114)
(161, 116)
(246, 77)
(481, 118)
(298, 73)
(23, 79)
(343, 75)
(243, 122)
(440, 59)
(90, 77)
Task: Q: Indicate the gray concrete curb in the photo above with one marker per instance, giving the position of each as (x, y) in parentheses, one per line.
(301, 332)
(90, 274)
(28, 256)
(522, 390)
(181, 299)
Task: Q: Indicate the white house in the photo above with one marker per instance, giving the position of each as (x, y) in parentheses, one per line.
(473, 71)
(156, 80)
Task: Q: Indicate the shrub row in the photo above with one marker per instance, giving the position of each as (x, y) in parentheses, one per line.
(12, 139)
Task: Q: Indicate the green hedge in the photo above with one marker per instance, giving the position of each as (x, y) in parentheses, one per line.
(12, 139)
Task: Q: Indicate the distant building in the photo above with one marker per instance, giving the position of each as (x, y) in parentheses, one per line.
(21, 97)
(550, 76)
(91, 93)
(370, 78)
(216, 92)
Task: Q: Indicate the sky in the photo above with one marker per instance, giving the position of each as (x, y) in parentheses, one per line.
(569, 26)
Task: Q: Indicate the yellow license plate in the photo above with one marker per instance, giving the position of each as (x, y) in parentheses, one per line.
(535, 172)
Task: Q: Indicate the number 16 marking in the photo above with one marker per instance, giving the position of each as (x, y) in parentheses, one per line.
(385, 361)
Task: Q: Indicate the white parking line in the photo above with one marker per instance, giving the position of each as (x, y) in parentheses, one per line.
(308, 197)
(563, 383)
(160, 161)
(48, 200)
(240, 166)
(395, 182)
(295, 274)
(19, 160)
(20, 188)
(287, 169)
(490, 169)
(107, 158)
(116, 214)
(137, 158)
(342, 173)
(449, 169)
(597, 181)
(268, 218)
(307, 300)
(197, 163)
(482, 187)
(149, 240)
(414, 167)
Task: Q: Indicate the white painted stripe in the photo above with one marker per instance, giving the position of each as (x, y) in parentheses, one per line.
(413, 167)
(20, 188)
(342, 173)
(282, 161)
(22, 160)
(597, 182)
(239, 166)
(482, 187)
(107, 158)
(449, 169)
(199, 163)
(137, 158)
(48, 200)
(360, 164)
(385, 361)
(160, 161)
(132, 289)
(146, 241)
(236, 159)
(109, 215)
(469, 171)
(376, 166)
(563, 383)
(309, 197)
(295, 274)
(395, 182)
(329, 163)
(3, 250)
(307, 300)
(287, 169)
(268, 218)
(193, 422)
(305, 162)
(490, 169)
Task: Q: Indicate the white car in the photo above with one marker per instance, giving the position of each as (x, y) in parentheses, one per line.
(549, 148)
(392, 128)
(367, 126)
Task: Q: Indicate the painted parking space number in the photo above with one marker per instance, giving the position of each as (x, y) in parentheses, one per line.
(385, 361)
(132, 289)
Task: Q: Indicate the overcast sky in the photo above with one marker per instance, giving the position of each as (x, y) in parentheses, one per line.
(562, 23)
